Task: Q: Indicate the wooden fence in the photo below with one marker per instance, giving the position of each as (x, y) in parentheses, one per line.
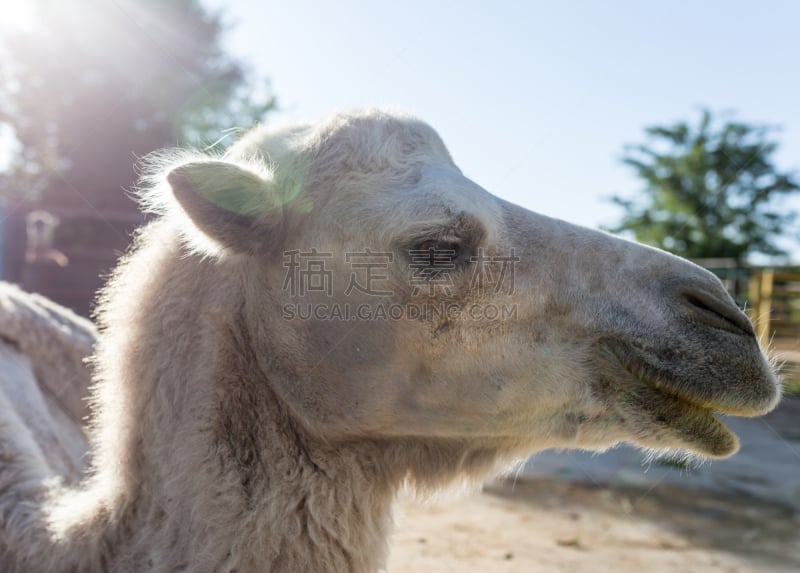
(774, 296)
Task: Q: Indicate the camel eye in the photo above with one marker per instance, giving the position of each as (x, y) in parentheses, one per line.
(439, 253)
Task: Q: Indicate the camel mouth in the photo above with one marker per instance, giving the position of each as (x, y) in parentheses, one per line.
(663, 412)
(664, 421)
(664, 383)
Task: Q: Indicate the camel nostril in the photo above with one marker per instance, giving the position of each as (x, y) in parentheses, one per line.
(718, 312)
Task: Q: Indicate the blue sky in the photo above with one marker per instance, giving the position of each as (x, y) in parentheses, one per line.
(534, 99)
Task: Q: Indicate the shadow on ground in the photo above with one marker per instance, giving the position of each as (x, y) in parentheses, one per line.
(766, 534)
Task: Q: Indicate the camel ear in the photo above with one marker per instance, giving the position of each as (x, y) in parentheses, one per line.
(236, 208)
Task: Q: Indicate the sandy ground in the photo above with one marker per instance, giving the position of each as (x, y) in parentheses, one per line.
(739, 515)
(554, 527)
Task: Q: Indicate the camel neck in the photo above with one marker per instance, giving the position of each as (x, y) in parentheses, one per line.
(293, 501)
(250, 490)
(197, 464)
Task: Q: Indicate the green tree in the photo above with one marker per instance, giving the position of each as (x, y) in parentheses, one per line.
(709, 190)
(97, 84)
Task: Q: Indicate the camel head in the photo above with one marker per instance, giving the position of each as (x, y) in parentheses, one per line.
(388, 296)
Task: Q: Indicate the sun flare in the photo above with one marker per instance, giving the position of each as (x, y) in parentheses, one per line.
(16, 16)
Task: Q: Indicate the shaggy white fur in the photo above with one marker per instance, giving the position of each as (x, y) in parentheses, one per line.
(228, 436)
(43, 377)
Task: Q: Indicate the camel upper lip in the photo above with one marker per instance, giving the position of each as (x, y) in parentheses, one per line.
(637, 365)
(644, 373)
(695, 401)
(743, 409)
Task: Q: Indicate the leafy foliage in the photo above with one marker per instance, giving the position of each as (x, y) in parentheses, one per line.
(708, 191)
(97, 84)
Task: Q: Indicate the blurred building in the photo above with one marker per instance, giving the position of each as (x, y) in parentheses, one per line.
(64, 245)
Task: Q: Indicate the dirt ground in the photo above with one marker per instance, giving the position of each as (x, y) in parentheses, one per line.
(547, 526)
(576, 512)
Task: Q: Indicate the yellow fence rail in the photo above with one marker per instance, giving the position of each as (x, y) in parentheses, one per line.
(774, 303)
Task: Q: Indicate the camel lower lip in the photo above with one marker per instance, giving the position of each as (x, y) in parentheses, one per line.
(676, 421)
(694, 425)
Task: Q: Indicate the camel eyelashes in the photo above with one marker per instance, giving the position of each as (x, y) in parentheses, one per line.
(451, 246)
(440, 253)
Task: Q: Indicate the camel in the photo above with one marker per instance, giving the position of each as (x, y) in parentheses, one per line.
(244, 420)
(43, 378)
